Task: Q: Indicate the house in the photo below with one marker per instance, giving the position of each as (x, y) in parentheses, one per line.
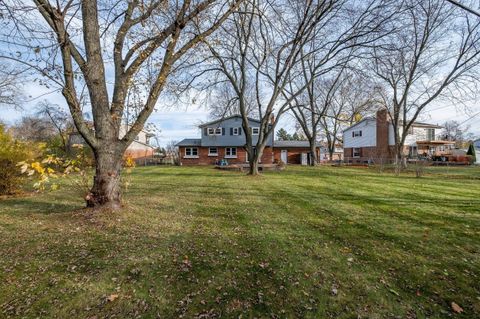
(139, 149)
(325, 154)
(225, 139)
(476, 146)
(372, 140)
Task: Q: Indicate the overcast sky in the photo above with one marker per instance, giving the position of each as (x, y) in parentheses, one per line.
(182, 122)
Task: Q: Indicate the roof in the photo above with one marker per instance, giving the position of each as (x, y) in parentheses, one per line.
(227, 118)
(190, 142)
(291, 144)
(415, 124)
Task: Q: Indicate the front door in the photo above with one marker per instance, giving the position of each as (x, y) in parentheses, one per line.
(284, 156)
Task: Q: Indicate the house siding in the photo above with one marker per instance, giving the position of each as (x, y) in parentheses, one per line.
(368, 138)
(226, 139)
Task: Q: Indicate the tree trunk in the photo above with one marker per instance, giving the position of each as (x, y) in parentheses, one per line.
(105, 192)
(313, 152)
(253, 167)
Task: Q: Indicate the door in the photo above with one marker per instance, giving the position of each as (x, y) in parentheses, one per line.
(304, 158)
(284, 156)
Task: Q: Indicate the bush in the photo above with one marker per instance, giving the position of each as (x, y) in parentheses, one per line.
(11, 152)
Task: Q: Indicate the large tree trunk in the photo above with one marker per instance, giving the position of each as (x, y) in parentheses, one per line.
(253, 168)
(105, 192)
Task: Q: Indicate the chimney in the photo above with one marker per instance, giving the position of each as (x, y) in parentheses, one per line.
(382, 133)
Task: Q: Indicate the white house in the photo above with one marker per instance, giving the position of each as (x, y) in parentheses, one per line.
(372, 139)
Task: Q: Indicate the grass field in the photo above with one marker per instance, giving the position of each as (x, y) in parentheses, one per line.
(200, 243)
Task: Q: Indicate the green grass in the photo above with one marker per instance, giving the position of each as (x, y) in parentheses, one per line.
(197, 242)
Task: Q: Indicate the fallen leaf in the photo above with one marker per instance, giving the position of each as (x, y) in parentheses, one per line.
(456, 308)
(112, 297)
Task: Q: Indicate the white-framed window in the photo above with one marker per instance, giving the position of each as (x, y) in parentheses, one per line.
(212, 151)
(430, 134)
(236, 131)
(357, 133)
(230, 152)
(214, 131)
(255, 130)
(356, 152)
(191, 152)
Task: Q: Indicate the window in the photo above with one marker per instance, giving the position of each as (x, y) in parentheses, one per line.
(214, 131)
(410, 130)
(191, 152)
(231, 152)
(356, 133)
(137, 138)
(255, 130)
(235, 131)
(212, 151)
(430, 134)
(356, 152)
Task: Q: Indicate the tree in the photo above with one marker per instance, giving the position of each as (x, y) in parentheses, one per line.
(60, 120)
(138, 42)
(283, 135)
(260, 50)
(433, 52)
(33, 129)
(10, 86)
(352, 97)
(453, 131)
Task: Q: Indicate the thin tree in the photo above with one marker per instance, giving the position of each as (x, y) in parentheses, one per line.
(107, 49)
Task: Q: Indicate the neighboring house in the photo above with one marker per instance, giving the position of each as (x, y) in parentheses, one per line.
(476, 145)
(225, 139)
(140, 148)
(372, 140)
(336, 156)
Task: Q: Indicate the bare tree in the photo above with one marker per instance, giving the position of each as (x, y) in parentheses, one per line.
(353, 97)
(11, 92)
(261, 48)
(60, 120)
(433, 53)
(101, 52)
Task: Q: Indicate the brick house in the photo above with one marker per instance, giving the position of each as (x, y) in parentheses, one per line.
(225, 139)
(372, 140)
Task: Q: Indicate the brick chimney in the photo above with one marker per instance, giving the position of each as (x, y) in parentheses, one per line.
(382, 133)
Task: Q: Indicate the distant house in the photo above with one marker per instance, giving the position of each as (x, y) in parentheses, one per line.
(140, 148)
(372, 140)
(225, 139)
(476, 145)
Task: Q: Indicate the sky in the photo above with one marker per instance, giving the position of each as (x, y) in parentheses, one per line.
(182, 121)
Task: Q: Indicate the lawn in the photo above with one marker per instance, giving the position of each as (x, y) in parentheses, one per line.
(200, 243)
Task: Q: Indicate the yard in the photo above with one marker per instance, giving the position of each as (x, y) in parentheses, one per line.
(196, 242)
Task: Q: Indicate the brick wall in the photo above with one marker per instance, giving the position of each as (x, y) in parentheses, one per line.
(204, 159)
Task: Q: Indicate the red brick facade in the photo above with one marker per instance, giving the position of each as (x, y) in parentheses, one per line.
(294, 154)
(205, 159)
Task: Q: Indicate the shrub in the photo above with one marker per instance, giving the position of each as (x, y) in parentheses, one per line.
(12, 152)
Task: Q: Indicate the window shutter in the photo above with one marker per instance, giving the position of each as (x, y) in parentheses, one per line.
(231, 131)
(240, 131)
(223, 131)
(360, 133)
(205, 129)
(353, 133)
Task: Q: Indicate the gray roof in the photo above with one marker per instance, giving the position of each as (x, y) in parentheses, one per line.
(190, 142)
(291, 144)
(227, 118)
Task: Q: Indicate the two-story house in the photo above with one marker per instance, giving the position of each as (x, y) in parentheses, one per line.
(372, 140)
(225, 139)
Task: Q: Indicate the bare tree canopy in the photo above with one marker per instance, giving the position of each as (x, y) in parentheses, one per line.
(97, 52)
(434, 53)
